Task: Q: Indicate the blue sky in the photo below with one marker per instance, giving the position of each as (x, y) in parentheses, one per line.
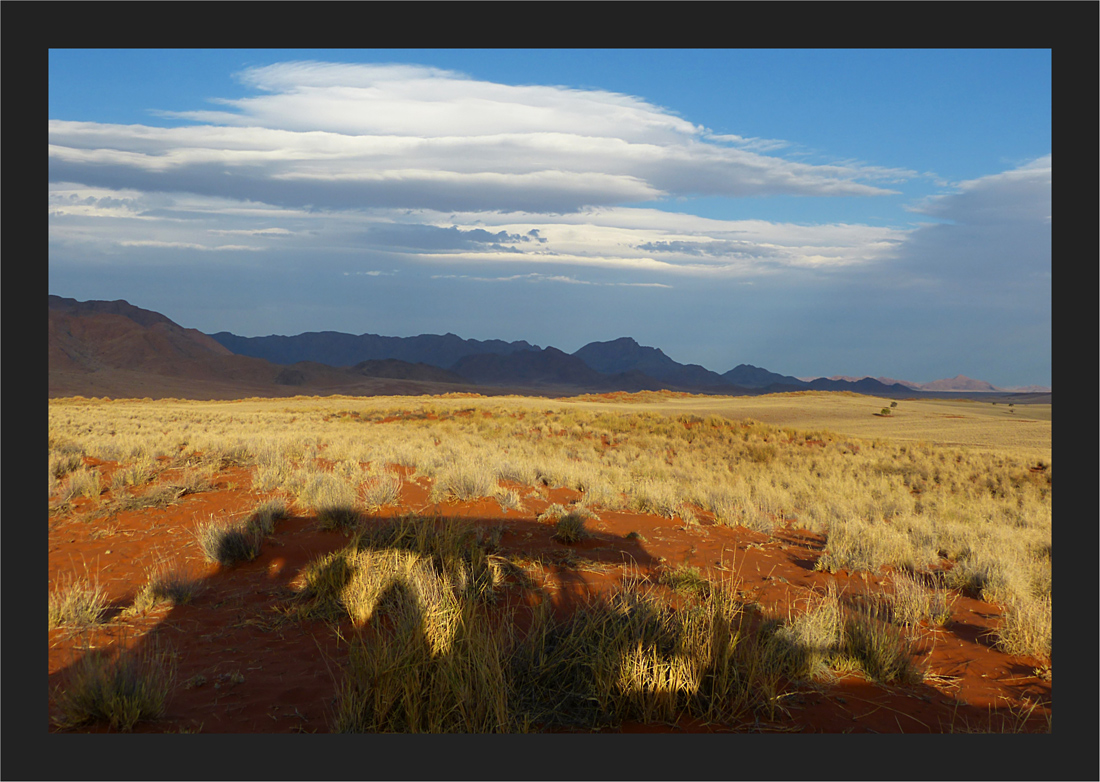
(863, 212)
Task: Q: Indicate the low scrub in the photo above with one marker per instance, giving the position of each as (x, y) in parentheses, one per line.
(685, 580)
(82, 483)
(120, 690)
(830, 636)
(228, 543)
(569, 524)
(382, 490)
(77, 603)
(165, 583)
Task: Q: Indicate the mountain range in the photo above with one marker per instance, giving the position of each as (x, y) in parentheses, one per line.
(114, 348)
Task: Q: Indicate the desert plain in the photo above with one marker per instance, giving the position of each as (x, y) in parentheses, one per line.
(814, 562)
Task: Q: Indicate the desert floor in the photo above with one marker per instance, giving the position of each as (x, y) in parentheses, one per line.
(244, 663)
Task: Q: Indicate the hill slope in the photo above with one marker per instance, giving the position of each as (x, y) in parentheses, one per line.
(338, 349)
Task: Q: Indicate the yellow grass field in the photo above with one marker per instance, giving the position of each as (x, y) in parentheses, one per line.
(1023, 429)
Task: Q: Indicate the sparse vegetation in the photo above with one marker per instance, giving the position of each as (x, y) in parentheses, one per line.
(119, 689)
(76, 603)
(435, 646)
(165, 582)
(228, 543)
(685, 579)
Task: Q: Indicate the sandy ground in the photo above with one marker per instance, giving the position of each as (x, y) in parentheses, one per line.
(241, 668)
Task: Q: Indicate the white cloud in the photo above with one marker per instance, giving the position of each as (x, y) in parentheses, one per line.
(997, 238)
(1023, 193)
(367, 136)
(536, 277)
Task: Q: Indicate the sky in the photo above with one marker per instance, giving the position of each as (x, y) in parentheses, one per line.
(813, 212)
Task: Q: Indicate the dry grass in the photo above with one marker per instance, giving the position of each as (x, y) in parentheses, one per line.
(228, 543)
(119, 689)
(569, 523)
(76, 603)
(896, 492)
(381, 490)
(166, 583)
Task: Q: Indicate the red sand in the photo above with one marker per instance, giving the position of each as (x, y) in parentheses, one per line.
(263, 675)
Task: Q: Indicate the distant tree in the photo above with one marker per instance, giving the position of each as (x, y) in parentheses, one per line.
(893, 404)
(885, 411)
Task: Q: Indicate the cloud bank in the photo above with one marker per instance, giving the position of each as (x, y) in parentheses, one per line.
(334, 176)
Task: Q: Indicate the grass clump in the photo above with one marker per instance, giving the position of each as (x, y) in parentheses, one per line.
(464, 479)
(77, 603)
(229, 544)
(404, 678)
(333, 499)
(630, 655)
(684, 579)
(569, 524)
(385, 489)
(263, 516)
(427, 658)
(879, 647)
(1027, 627)
(120, 690)
(830, 636)
(913, 602)
(165, 583)
(82, 483)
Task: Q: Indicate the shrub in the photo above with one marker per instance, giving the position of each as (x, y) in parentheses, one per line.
(82, 483)
(165, 583)
(264, 516)
(569, 524)
(228, 544)
(120, 690)
(685, 579)
(382, 490)
(77, 603)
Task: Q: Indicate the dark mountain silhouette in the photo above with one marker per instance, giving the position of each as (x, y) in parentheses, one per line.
(346, 350)
(112, 348)
(626, 355)
(403, 370)
(755, 377)
(867, 385)
(547, 367)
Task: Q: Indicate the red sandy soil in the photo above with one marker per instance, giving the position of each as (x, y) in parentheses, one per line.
(265, 674)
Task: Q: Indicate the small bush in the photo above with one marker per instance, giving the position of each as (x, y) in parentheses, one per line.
(82, 483)
(228, 544)
(264, 516)
(879, 647)
(569, 525)
(120, 690)
(686, 580)
(165, 583)
(77, 603)
(382, 490)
